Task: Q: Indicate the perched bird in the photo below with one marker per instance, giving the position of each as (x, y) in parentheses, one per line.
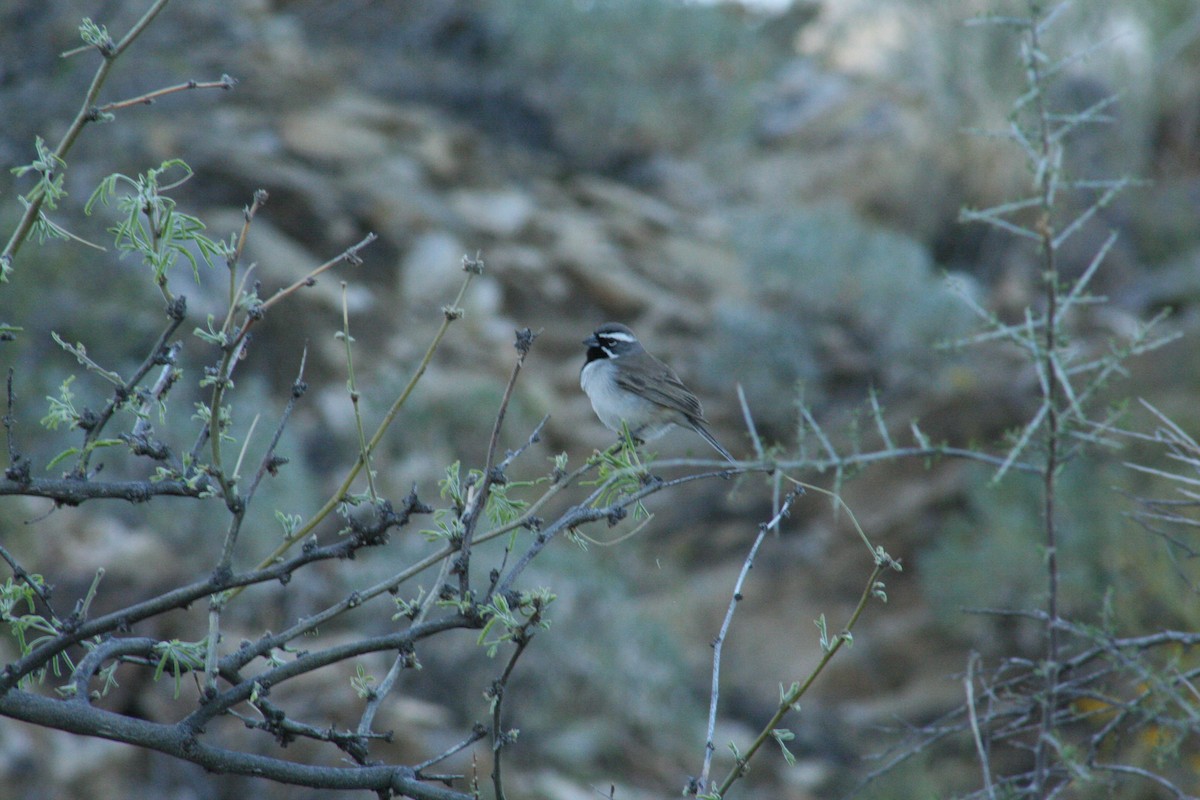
(627, 384)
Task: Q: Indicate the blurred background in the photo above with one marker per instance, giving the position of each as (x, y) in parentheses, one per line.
(768, 195)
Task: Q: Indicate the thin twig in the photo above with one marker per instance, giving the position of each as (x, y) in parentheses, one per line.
(270, 463)
(226, 82)
(788, 702)
(472, 514)
(449, 314)
(500, 737)
(349, 255)
(363, 454)
(159, 351)
(534, 438)
(586, 512)
(976, 734)
(33, 208)
(19, 572)
(1047, 176)
(718, 643)
(18, 465)
(217, 602)
(749, 420)
(477, 733)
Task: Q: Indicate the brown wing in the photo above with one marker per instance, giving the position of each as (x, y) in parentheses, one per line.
(662, 386)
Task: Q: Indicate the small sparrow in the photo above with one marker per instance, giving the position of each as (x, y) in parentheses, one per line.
(627, 384)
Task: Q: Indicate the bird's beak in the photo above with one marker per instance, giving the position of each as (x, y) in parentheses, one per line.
(592, 341)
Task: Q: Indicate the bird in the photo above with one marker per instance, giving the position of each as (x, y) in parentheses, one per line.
(628, 385)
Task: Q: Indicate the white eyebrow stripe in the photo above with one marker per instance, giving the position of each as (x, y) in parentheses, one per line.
(618, 336)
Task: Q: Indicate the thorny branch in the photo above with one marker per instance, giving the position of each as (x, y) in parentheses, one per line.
(109, 51)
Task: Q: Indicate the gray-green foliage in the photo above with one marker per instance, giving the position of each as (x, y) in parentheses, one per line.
(1000, 527)
(1048, 559)
(825, 263)
(830, 291)
(150, 223)
(622, 75)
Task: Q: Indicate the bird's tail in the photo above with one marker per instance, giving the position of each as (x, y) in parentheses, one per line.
(708, 437)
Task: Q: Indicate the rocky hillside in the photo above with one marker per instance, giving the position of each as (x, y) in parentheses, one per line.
(770, 201)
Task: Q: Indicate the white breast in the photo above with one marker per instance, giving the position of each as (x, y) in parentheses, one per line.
(614, 405)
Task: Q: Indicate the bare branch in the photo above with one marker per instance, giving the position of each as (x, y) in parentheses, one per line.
(180, 741)
(226, 83)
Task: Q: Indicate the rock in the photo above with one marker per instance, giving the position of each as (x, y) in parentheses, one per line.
(281, 261)
(526, 270)
(100, 541)
(582, 246)
(800, 96)
(702, 268)
(683, 184)
(553, 786)
(395, 199)
(87, 764)
(347, 129)
(501, 212)
(432, 270)
(443, 153)
(625, 200)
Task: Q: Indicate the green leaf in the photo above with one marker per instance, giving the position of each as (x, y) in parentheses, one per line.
(65, 454)
(62, 409)
(362, 682)
(151, 224)
(95, 35)
(181, 656)
(290, 522)
(451, 485)
(781, 737)
(821, 626)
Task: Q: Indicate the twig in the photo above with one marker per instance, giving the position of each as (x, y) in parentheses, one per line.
(349, 255)
(976, 734)
(363, 454)
(478, 731)
(74, 491)
(1128, 769)
(534, 438)
(158, 390)
(110, 53)
(233, 259)
(790, 698)
(18, 465)
(749, 420)
(217, 602)
(443, 557)
(877, 413)
(181, 741)
(449, 314)
(500, 737)
(19, 572)
(471, 517)
(269, 462)
(402, 661)
(718, 643)
(1049, 164)
(87, 667)
(584, 513)
(226, 82)
(232, 352)
(244, 688)
(176, 312)
(283, 728)
(180, 597)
